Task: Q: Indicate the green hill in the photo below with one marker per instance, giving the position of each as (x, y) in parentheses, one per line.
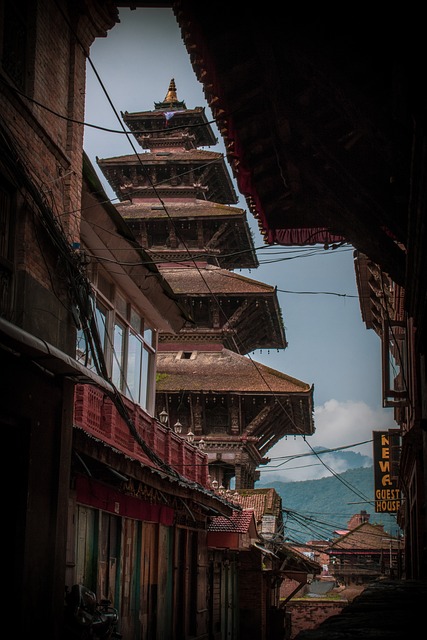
(314, 509)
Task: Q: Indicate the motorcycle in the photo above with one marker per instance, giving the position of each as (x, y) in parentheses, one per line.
(86, 618)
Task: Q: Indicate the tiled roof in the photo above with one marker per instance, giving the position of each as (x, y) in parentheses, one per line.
(318, 543)
(249, 309)
(141, 123)
(263, 501)
(194, 208)
(239, 522)
(132, 170)
(160, 157)
(227, 228)
(210, 279)
(142, 115)
(222, 371)
(365, 536)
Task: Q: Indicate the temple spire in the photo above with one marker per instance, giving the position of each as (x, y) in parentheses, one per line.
(171, 94)
(171, 101)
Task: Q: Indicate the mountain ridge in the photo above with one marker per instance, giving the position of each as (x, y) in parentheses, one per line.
(317, 509)
(336, 459)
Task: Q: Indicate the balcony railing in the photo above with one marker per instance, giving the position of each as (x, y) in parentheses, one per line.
(95, 413)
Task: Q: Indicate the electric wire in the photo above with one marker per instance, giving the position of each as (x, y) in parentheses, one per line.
(297, 523)
(260, 372)
(95, 335)
(79, 288)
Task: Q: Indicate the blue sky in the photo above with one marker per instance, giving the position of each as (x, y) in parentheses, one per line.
(329, 346)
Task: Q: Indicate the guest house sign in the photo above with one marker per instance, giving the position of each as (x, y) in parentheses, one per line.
(387, 494)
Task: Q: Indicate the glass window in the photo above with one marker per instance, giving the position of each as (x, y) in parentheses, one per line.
(394, 357)
(101, 323)
(135, 320)
(146, 379)
(121, 305)
(149, 337)
(129, 346)
(134, 373)
(84, 350)
(82, 354)
(118, 353)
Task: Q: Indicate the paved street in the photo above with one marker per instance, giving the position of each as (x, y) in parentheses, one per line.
(385, 610)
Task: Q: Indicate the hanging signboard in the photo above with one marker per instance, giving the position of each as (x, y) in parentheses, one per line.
(387, 494)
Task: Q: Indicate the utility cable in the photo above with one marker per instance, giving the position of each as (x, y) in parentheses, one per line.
(235, 339)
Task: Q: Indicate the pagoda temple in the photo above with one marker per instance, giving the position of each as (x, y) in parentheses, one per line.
(178, 199)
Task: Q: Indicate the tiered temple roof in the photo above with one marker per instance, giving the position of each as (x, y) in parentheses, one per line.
(176, 198)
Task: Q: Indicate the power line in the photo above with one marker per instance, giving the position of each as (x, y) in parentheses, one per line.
(236, 339)
(322, 451)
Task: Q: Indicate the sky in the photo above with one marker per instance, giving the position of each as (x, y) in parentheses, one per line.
(329, 347)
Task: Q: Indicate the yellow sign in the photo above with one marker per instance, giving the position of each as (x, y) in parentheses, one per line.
(387, 494)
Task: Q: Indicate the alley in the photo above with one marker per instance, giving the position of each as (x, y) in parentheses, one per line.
(386, 610)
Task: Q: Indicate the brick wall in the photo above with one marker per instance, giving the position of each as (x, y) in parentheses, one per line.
(308, 614)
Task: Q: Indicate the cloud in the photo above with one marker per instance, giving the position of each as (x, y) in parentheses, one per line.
(338, 424)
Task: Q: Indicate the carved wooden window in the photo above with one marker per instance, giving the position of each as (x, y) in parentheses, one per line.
(158, 233)
(187, 234)
(217, 419)
(394, 360)
(200, 311)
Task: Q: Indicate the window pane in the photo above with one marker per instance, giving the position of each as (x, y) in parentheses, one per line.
(105, 286)
(134, 367)
(121, 306)
(150, 337)
(81, 348)
(135, 320)
(101, 321)
(118, 353)
(145, 378)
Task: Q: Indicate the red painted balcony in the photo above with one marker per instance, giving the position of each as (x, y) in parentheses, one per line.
(97, 415)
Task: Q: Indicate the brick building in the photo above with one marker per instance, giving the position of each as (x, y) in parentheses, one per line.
(97, 472)
(95, 468)
(42, 72)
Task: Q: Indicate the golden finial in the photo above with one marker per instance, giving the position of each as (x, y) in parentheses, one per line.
(171, 94)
